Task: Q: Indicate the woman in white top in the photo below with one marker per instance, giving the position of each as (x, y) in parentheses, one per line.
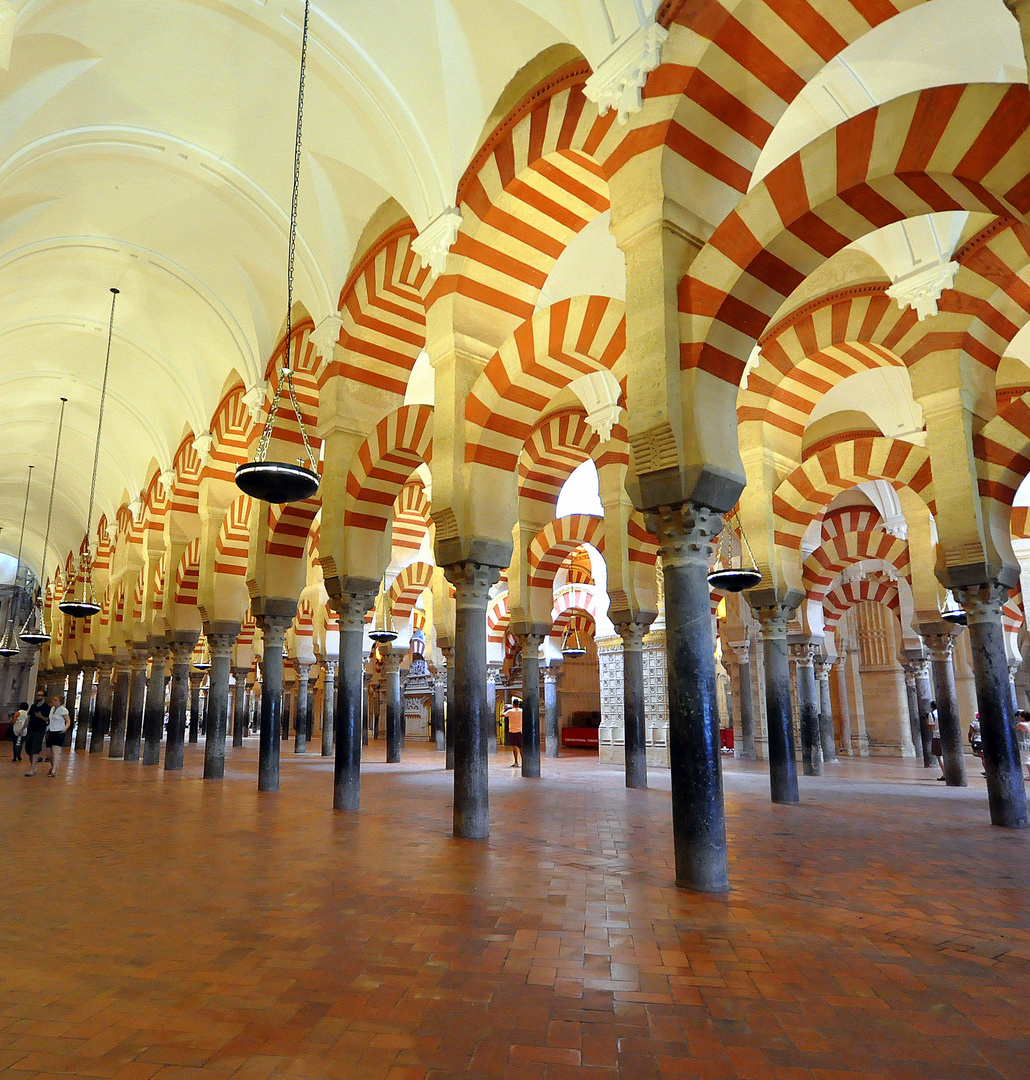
(60, 722)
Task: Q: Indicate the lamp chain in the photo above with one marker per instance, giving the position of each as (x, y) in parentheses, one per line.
(100, 428)
(53, 485)
(286, 373)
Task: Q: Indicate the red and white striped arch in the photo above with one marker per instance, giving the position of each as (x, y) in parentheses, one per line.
(832, 556)
(232, 431)
(559, 344)
(497, 619)
(556, 541)
(411, 516)
(577, 605)
(946, 148)
(848, 594)
(187, 576)
(289, 527)
(232, 548)
(382, 310)
(305, 365)
(813, 484)
(407, 587)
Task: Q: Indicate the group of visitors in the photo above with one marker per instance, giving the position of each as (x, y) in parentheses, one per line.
(976, 738)
(41, 723)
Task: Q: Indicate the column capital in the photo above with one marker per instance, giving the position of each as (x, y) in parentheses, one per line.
(472, 582)
(329, 667)
(87, 665)
(391, 662)
(531, 645)
(921, 668)
(220, 645)
(803, 654)
(105, 664)
(159, 653)
(981, 603)
(352, 605)
(741, 651)
(139, 658)
(686, 533)
(448, 652)
(939, 646)
(273, 629)
(552, 673)
(910, 674)
(303, 671)
(197, 679)
(632, 634)
(181, 653)
(240, 674)
(773, 619)
(823, 669)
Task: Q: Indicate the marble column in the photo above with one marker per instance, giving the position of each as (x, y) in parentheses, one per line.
(137, 701)
(912, 697)
(119, 709)
(808, 710)
(239, 705)
(635, 737)
(686, 538)
(439, 696)
(351, 606)
(472, 583)
(941, 647)
(551, 672)
(827, 734)
(783, 775)
(300, 741)
(70, 694)
(394, 705)
(196, 682)
(745, 701)
(448, 652)
(102, 711)
(182, 653)
(273, 629)
(154, 713)
(1006, 793)
(328, 708)
(82, 732)
(1014, 666)
(221, 637)
(530, 704)
(492, 672)
(841, 671)
(924, 695)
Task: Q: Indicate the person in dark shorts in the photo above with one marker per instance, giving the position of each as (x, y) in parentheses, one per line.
(59, 723)
(39, 721)
(936, 748)
(513, 714)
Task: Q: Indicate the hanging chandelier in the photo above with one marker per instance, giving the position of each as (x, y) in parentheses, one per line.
(39, 635)
(382, 632)
(731, 575)
(571, 645)
(952, 611)
(284, 481)
(8, 643)
(80, 601)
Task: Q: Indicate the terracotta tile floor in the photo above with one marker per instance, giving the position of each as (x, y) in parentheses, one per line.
(163, 927)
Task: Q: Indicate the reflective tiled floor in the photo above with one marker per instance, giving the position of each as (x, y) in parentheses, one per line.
(164, 926)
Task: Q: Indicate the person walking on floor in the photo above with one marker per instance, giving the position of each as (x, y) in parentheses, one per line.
(59, 723)
(936, 748)
(18, 729)
(39, 722)
(513, 714)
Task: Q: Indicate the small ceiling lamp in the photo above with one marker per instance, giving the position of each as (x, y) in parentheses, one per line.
(571, 646)
(732, 575)
(952, 611)
(284, 481)
(8, 643)
(80, 601)
(382, 632)
(203, 665)
(34, 632)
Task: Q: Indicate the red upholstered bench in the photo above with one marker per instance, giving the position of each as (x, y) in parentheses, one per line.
(579, 736)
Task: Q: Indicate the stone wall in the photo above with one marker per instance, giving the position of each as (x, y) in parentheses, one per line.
(656, 703)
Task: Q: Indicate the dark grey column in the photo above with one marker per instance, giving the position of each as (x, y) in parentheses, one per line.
(808, 708)
(632, 633)
(686, 537)
(137, 701)
(300, 742)
(119, 709)
(437, 708)
(827, 735)
(102, 710)
(530, 704)
(1005, 791)
(394, 705)
(239, 705)
(273, 628)
(745, 700)
(182, 652)
(154, 712)
(492, 671)
(82, 732)
(448, 652)
(351, 606)
(912, 697)
(924, 695)
(329, 709)
(285, 714)
(783, 774)
(941, 646)
(553, 734)
(221, 637)
(472, 582)
(196, 682)
(56, 680)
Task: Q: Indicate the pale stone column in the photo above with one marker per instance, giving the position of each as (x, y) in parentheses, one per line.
(1014, 666)
(924, 694)
(634, 723)
(221, 638)
(448, 653)
(783, 775)
(196, 682)
(300, 742)
(1005, 791)
(102, 711)
(531, 704)
(329, 709)
(394, 705)
(740, 656)
(912, 696)
(182, 652)
(808, 709)
(439, 697)
(154, 714)
(686, 536)
(841, 669)
(85, 704)
(827, 735)
(551, 673)
(273, 629)
(137, 701)
(941, 648)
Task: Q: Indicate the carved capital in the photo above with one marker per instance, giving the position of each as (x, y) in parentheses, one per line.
(741, 651)
(105, 665)
(773, 619)
(240, 674)
(181, 653)
(619, 79)
(632, 634)
(273, 628)
(686, 534)
(472, 583)
(940, 646)
(352, 605)
(552, 673)
(823, 669)
(140, 656)
(220, 645)
(982, 603)
(803, 655)
(391, 661)
(910, 675)
(197, 679)
(434, 242)
(921, 669)
(531, 645)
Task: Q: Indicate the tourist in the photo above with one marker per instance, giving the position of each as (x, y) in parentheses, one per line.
(59, 723)
(976, 740)
(936, 748)
(513, 714)
(39, 721)
(19, 723)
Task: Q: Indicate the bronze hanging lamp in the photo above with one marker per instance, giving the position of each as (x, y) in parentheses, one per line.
(80, 601)
(382, 632)
(284, 481)
(9, 643)
(952, 611)
(571, 646)
(34, 632)
(732, 575)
